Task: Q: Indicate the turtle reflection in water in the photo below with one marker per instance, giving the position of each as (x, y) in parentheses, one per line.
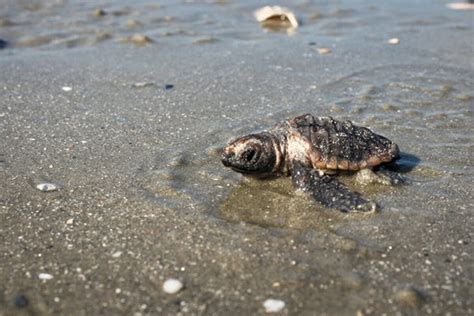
(312, 150)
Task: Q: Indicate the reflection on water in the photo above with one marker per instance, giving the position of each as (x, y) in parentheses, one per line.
(273, 203)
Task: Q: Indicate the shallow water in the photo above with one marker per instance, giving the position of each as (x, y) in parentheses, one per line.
(141, 176)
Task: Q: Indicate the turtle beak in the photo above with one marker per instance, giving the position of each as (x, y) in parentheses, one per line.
(227, 157)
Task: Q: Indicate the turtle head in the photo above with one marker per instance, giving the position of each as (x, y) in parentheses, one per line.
(252, 154)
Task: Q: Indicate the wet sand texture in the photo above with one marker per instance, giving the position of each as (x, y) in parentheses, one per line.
(111, 183)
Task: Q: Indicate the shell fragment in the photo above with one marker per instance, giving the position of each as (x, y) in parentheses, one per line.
(47, 187)
(273, 306)
(461, 6)
(276, 14)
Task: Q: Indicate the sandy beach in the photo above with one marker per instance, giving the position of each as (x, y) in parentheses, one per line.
(121, 110)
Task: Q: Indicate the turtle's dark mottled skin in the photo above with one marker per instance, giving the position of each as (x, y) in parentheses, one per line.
(308, 148)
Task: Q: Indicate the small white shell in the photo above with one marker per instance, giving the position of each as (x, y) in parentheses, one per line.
(172, 286)
(273, 306)
(143, 84)
(47, 187)
(45, 276)
(394, 41)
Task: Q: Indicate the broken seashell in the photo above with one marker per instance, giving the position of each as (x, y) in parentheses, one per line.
(277, 15)
(143, 84)
(47, 187)
(460, 6)
(273, 305)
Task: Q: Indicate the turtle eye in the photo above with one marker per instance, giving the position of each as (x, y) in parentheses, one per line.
(249, 154)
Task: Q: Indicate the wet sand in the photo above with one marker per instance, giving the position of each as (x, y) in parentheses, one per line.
(130, 131)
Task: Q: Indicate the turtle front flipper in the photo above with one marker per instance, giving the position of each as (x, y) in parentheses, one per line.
(328, 191)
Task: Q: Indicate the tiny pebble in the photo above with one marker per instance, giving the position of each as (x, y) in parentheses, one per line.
(99, 12)
(140, 39)
(20, 301)
(394, 41)
(66, 89)
(323, 51)
(117, 254)
(172, 286)
(47, 187)
(273, 306)
(70, 221)
(45, 276)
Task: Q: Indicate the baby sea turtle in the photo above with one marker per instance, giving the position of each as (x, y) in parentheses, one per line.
(311, 149)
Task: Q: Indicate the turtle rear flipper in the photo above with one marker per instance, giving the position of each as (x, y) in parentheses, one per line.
(328, 191)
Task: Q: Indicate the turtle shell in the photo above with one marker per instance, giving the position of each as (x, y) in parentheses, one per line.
(332, 144)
